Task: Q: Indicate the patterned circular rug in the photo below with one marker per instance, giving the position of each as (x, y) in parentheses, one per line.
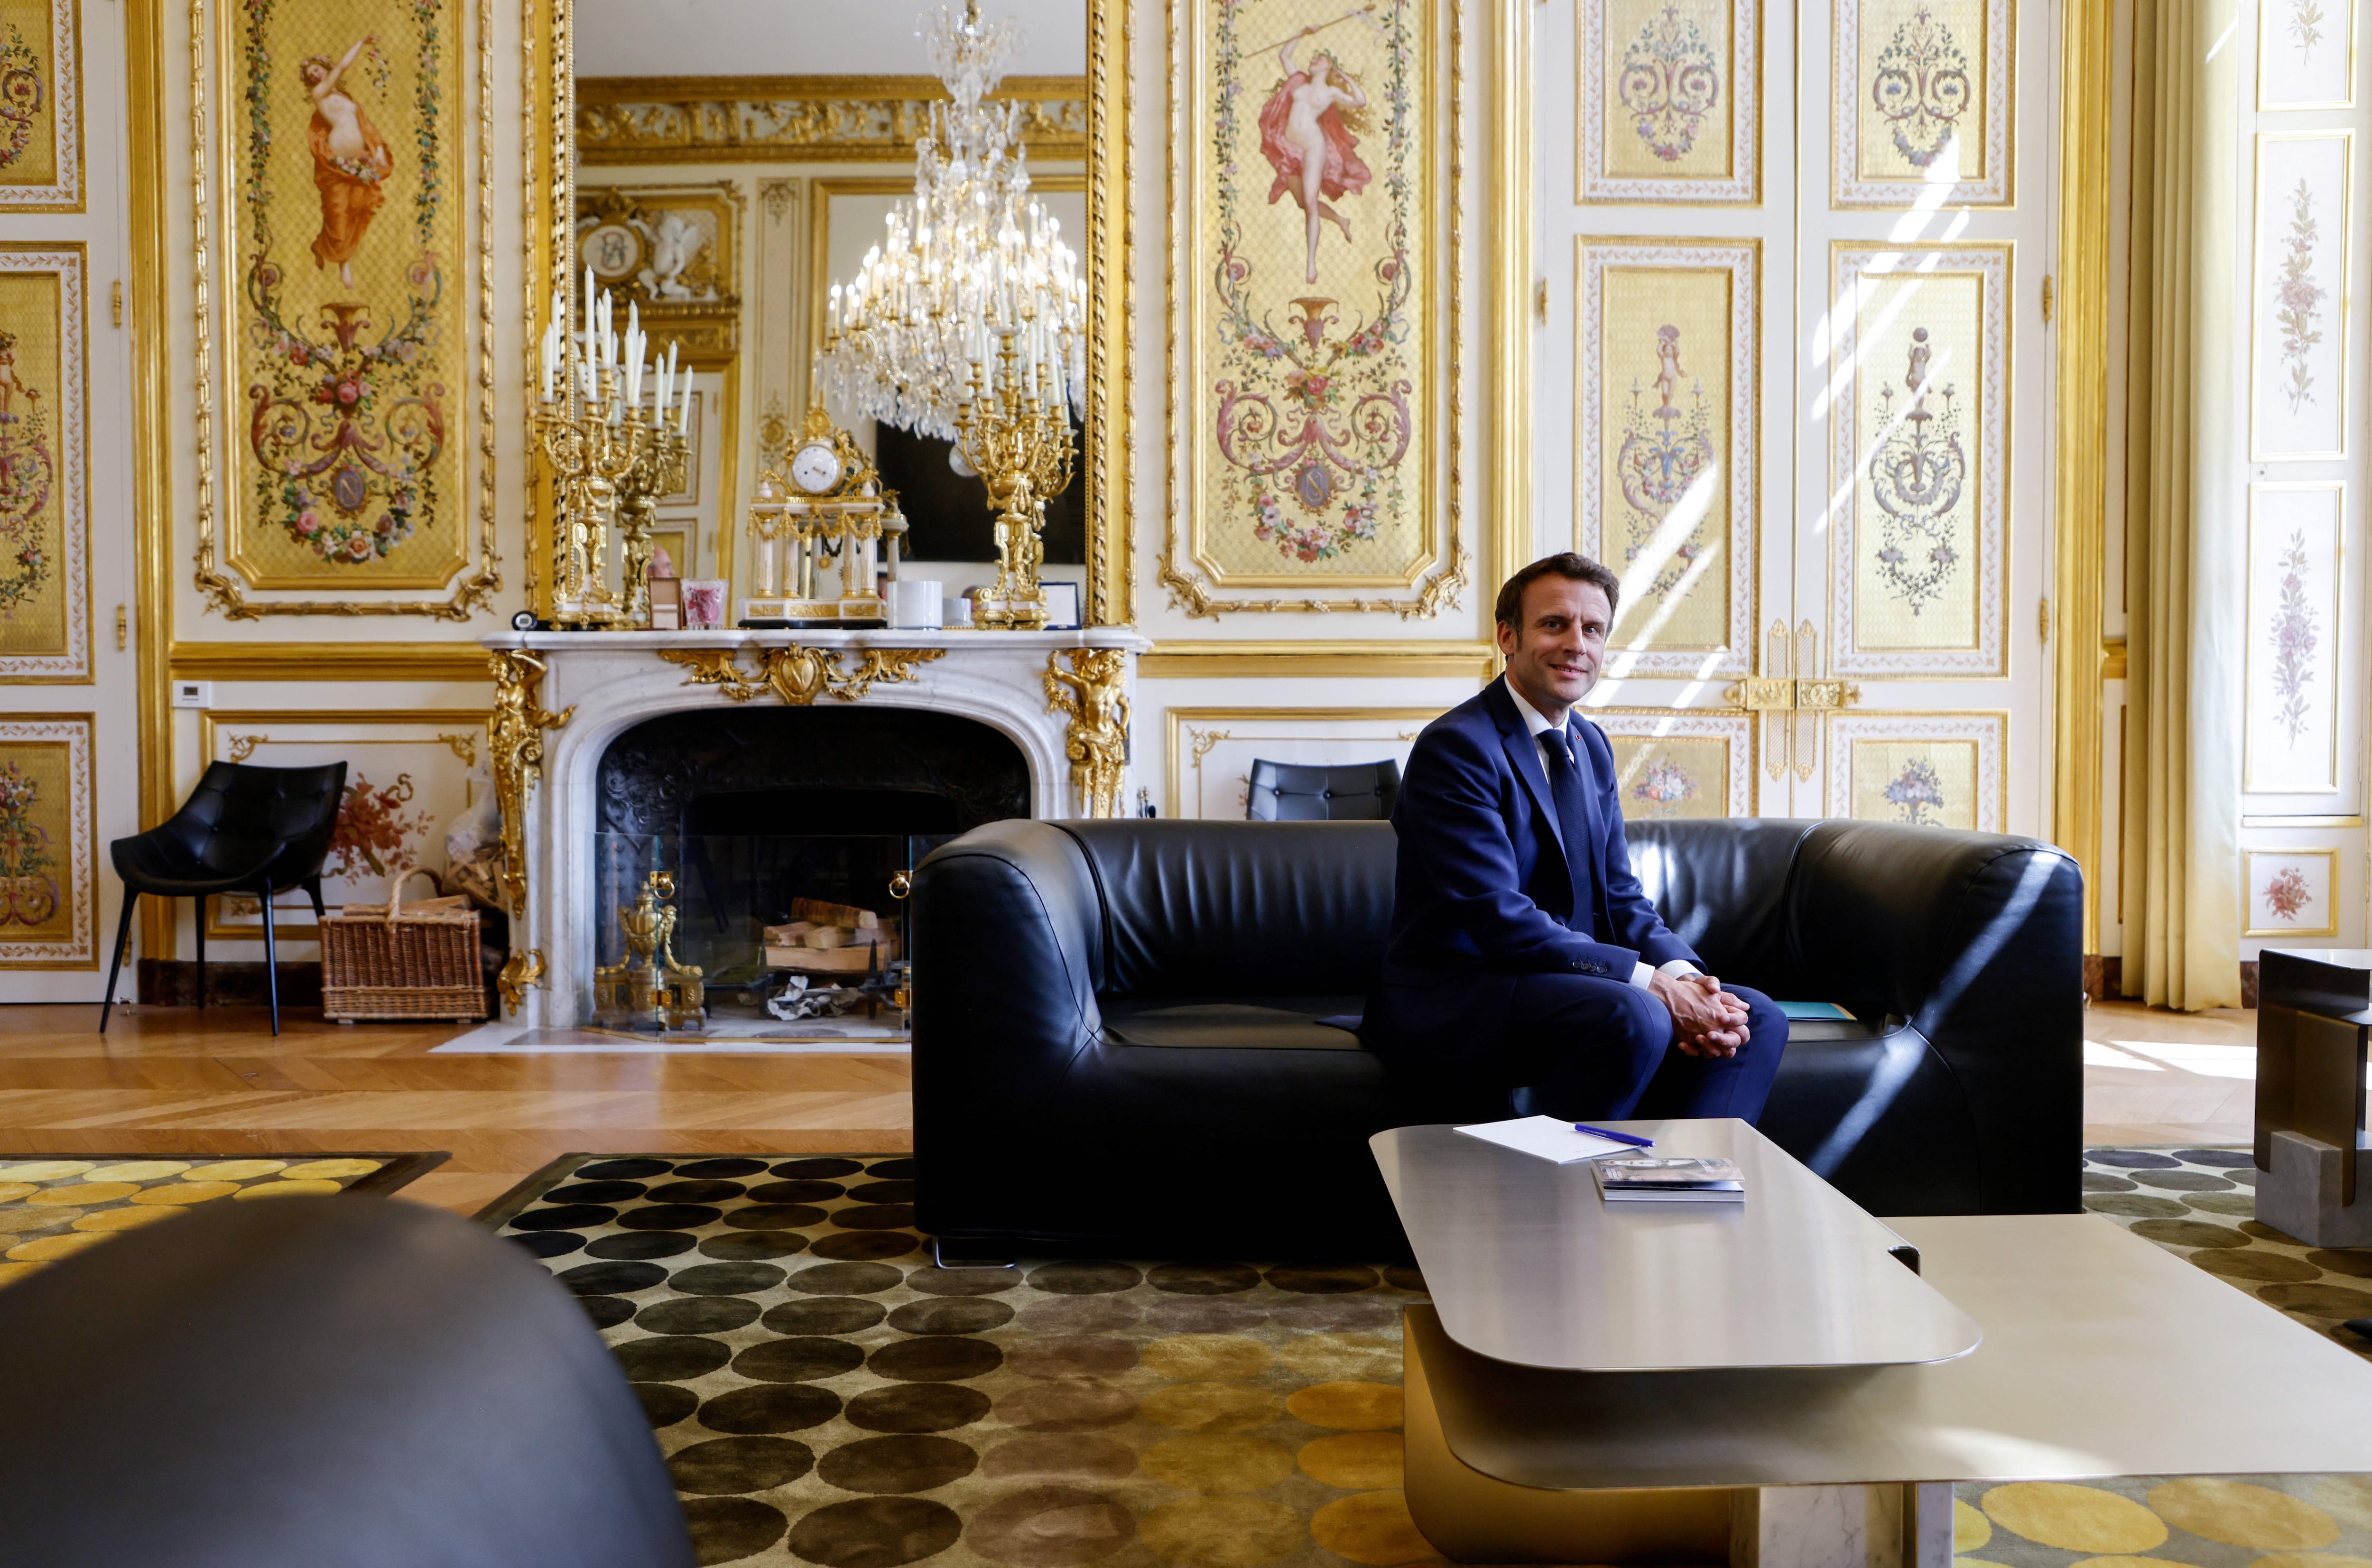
(825, 1395)
(2198, 1204)
(53, 1208)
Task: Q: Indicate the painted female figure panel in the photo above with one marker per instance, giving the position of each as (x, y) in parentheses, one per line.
(1303, 134)
(351, 162)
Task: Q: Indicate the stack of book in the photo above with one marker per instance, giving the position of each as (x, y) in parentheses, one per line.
(1685, 1180)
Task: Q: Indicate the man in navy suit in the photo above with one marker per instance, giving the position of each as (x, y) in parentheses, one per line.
(1524, 955)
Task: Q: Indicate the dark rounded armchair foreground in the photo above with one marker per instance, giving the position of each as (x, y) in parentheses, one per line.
(1117, 1039)
(333, 1382)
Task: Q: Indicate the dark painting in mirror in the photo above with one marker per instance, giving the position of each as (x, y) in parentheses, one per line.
(947, 513)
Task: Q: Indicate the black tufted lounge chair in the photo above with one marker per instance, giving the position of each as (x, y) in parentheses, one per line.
(243, 830)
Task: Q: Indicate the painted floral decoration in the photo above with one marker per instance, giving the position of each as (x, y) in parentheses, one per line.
(375, 835)
(2287, 894)
(1663, 789)
(2299, 298)
(1670, 82)
(2305, 28)
(28, 896)
(27, 469)
(1917, 791)
(21, 95)
(1920, 88)
(2295, 640)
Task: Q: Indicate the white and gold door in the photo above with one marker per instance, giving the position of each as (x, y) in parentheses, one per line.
(1795, 389)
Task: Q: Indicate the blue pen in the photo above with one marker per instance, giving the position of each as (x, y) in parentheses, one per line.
(1630, 1138)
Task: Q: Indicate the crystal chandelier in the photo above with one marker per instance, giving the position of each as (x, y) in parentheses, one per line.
(969, 260)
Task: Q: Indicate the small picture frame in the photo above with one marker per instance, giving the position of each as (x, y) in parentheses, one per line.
(1062, 606)
(666, 604)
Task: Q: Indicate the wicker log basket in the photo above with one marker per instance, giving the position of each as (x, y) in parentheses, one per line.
(403, 960)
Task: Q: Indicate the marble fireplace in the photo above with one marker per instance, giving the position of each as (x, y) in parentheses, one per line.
(601, 733)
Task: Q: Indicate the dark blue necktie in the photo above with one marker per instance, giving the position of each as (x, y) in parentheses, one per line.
(1573, 822)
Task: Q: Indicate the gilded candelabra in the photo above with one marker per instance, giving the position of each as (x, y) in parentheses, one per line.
(659, 471)
(611, 456)
(1013, 428)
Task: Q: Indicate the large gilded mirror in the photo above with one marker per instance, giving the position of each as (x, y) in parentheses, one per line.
(735, 160)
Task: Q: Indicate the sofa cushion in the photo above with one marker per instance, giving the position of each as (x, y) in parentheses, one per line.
(1277, 1022)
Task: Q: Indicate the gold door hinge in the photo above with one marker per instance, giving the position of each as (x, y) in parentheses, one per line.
(122, 630)
(1540, 301)
(2042, 621)
(2046, 299)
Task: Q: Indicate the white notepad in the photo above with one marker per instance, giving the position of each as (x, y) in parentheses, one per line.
(1544, 1137)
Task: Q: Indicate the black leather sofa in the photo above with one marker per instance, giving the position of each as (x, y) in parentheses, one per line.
(1117, 1044)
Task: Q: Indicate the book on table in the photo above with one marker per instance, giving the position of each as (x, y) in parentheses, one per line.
(1647, 1180)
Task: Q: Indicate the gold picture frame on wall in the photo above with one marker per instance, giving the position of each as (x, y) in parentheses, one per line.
(357, 464)
(45, 555)
(49, 889)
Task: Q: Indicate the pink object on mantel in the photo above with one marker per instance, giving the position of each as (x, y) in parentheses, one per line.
(703, 603)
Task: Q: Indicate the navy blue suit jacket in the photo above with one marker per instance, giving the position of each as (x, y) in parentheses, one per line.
(1485, 879)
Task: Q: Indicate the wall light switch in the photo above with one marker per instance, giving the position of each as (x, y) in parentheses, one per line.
(194, 693)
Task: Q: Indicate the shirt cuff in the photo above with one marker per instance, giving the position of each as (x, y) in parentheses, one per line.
(1642, 973)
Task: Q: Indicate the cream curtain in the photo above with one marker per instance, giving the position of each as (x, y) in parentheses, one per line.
(2185, 551)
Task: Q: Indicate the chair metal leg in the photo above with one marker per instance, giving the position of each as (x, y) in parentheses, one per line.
(201, 923)
(313, 886)
(271, 961)
(115, 967)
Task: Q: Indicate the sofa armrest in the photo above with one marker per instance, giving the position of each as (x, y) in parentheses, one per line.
(1007, 932)
(1977, 939)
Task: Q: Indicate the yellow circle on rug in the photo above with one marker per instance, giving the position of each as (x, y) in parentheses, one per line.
(15, 1271)
(1355, 1462)
(1209, 1407)
(84, 1192)
(1203, 1357)
(1343, 1357)
(235, 1170)
(2132, 1563)
(2305, 1559)
(126, 1218)
(1971, 1529)
(184, 1193)
(22, 1218)
(1222, 1532)
(2074, 1518)
(52, 1247)
(138, 1170)
(12, 1191)
(282, 1189)
(2348, 1496)
(1217, 1461)
(2238, 1514)
(1348, 1407)
(1372, 1527)
(43, 1170)
(314, 1171)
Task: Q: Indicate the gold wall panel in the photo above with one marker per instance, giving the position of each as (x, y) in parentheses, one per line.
(1671, 101)
(49, 853)
(40, 106)
(1925, 96)
(357, 454)
(1927, 769)
(1678, 764)
(45, 632)
(1315, 301)
(1667, 448)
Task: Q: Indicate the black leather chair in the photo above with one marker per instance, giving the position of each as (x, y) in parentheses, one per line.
(1117, 1035)
(320, 1380)
(243, 830)
(1289, 792)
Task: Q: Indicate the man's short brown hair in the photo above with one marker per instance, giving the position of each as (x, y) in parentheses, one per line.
(1565, 563)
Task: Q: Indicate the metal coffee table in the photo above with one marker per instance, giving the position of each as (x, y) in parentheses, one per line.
(1603, 1444)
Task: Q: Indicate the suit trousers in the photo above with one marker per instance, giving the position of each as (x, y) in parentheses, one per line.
(1582, 1049)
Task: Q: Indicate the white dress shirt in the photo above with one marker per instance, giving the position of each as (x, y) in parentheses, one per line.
(1641, 973)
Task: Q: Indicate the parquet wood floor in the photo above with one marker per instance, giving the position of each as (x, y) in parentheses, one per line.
(165, 1080)
(170, 1079)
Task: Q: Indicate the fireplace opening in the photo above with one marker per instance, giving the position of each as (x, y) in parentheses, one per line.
(750, 865)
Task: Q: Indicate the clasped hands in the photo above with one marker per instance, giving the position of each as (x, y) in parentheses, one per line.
(1706, 1020)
